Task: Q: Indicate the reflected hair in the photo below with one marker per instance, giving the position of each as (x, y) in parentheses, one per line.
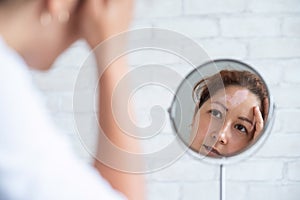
(12, 1)
(207, 87)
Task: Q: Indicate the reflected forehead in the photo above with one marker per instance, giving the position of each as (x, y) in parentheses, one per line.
(234, 96)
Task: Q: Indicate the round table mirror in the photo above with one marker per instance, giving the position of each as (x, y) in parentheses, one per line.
(222, 111)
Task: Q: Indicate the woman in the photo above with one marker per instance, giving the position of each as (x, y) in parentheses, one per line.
(230, 112)
(35, 162)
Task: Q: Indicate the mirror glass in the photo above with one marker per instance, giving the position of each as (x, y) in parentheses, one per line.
(221, 109)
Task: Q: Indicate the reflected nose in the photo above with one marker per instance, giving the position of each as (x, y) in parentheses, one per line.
(223, 138)
(222, 135)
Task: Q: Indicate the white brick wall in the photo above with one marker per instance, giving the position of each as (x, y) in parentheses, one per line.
(215, 48)
(190, 26)
(277, 6)
(291, 26)
(164, 190)
(200, 190)
(217, 7)
(250, 26)
(264, 171)
(293, 171)
(264, 33)
(167, 8)
(260, 191)
(273, 48)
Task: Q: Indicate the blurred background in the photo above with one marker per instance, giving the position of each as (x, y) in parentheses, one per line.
(262, 33)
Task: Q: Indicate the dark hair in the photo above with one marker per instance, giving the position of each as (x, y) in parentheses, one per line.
(207, 87)
(10, 1)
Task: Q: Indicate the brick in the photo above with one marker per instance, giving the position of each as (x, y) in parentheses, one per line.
(255, 170)
(274, 6)
(195, 55)
(265, 66)
(140, 23)
(157, 142)
(291, 71)
(83, 101)
(217, 7)
(286, 96)
(163, 191)
(150, 8)
(289, 120)
(153, 57)
(200, 190)
(249, 26)
(277, 126)
(236, 190)
(183, 69)
(56, 80)
(279, 145)
(293, 172)
(85, 124)
(224, 48)
(86, 79)
(74, 56)
(146, 98)
(274, 48)
(262, 191)
(192, 27)
(168, 78)
(291, 26)
(187, 170)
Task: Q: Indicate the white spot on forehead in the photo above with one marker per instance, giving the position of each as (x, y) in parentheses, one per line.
(237, 98)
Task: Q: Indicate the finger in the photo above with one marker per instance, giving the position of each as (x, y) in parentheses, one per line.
(266, 107)
(259, 122)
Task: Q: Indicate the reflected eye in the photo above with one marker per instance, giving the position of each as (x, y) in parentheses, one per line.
(241, 128)
(216, 113)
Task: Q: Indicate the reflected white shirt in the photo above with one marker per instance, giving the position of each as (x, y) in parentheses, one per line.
(36, 162)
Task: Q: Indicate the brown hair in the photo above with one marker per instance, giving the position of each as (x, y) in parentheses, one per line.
(207, 87)
(7, 2)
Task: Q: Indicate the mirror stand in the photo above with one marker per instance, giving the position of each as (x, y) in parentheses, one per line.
(212, 90)
(222, 182)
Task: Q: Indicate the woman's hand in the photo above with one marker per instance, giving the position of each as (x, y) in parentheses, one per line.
(100, 19)
(258, 122)
(266, 108)
(259, 118)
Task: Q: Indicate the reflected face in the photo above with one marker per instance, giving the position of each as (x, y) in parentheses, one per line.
(225, 123)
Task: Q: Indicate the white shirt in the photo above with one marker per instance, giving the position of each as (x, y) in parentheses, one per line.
(36, 162)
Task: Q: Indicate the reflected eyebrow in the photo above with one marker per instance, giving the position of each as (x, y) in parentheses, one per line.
(246, 120)
(222, 105)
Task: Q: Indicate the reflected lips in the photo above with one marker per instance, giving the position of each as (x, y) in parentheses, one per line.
(213, 150)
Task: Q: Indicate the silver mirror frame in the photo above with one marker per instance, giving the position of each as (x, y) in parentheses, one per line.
(248, 151)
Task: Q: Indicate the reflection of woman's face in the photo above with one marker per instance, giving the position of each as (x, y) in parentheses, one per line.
(224, 124)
